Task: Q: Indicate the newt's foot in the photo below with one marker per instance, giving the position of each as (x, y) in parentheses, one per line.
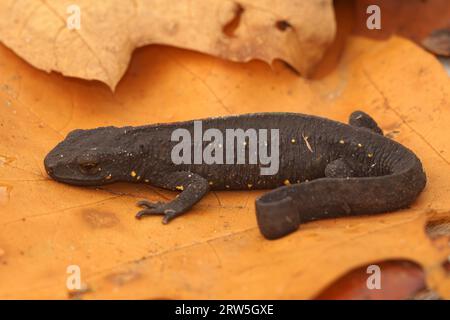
(363, 120)
(156, 208)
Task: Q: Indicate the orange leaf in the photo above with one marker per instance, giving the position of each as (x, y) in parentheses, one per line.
(216, 250)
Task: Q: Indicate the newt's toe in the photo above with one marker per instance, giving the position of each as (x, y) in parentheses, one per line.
(148, 212)
(169, 214)
(147, 204)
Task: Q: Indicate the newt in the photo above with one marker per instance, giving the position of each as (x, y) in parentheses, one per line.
(324, 169)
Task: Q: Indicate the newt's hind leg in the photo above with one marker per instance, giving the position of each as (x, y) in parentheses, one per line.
(363, 120)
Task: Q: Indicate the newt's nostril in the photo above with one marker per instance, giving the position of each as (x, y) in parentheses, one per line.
(49, 171)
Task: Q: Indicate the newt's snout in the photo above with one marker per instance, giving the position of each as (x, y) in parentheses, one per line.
(49, 170)
(56, 166)
(49, 165)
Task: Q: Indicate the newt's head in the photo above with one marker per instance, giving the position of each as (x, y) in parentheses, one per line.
(88, 157)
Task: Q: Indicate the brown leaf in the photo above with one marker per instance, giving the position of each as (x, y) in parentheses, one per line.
(296, 31)
(438, 42)
(399, 280)
(413, 19)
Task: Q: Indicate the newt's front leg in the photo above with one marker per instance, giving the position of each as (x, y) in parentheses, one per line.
(193, 188)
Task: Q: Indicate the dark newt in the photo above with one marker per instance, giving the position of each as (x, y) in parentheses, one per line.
(328, 169)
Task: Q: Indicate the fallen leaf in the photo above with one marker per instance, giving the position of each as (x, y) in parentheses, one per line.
(413, 19)
(438, 42)
(216, 250)
(296, 31)
(399, 280)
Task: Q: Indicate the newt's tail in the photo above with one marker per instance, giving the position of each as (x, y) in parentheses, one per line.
(281, 211)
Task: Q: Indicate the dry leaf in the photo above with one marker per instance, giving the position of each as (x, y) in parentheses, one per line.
(296, 31)
(400, 280)
(438, 42)
(413, 19)
(214, 251)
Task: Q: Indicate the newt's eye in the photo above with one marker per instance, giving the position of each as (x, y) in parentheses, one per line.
(88, 163)
(89, 167)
